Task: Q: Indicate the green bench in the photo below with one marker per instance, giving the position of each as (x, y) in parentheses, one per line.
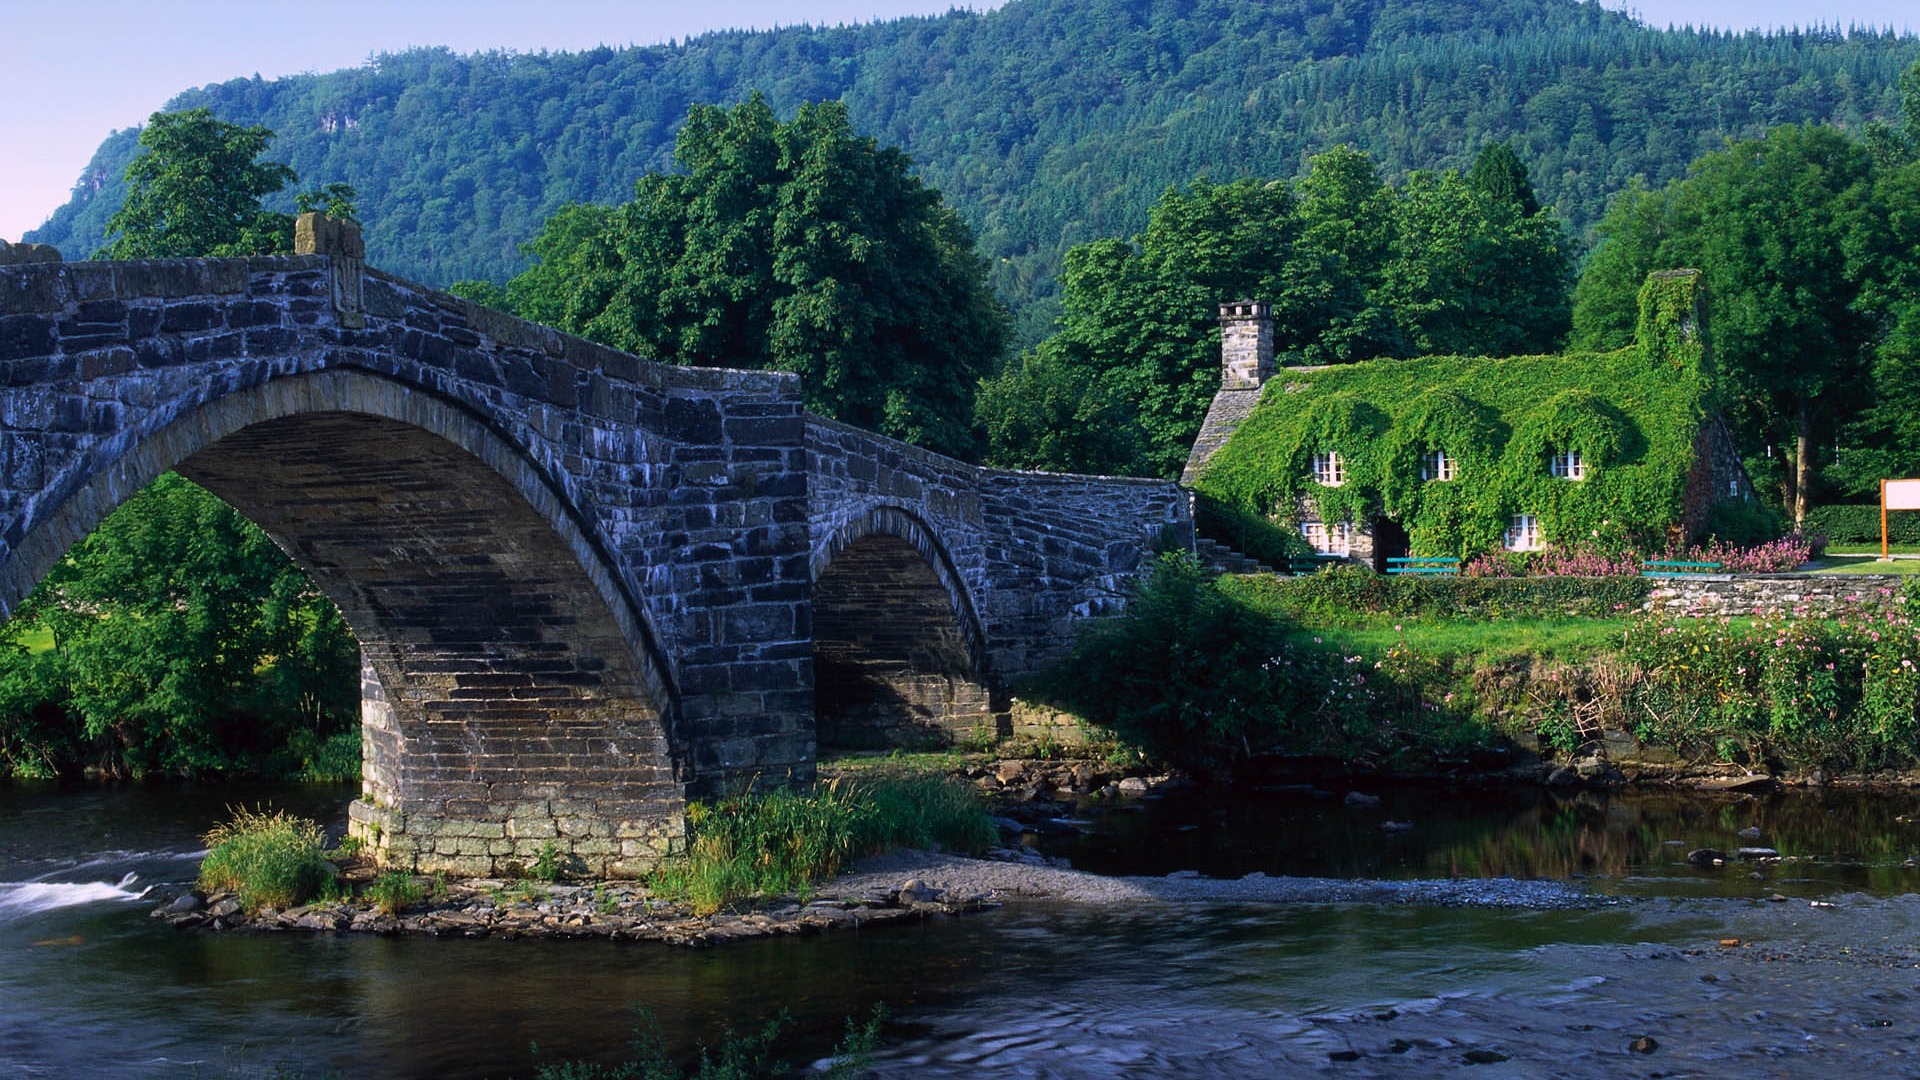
(1669, 568)
(1435, 565)
(1307, 564)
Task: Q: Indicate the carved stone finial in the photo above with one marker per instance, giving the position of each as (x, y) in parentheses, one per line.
(318, 234)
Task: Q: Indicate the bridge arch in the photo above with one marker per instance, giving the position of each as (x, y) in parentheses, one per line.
(515, 695)
(899, 654)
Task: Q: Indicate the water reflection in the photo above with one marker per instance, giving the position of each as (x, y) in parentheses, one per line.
(1633, 842)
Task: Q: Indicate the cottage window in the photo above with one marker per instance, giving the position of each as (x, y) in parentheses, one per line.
(1438, 465)
(1335, 539)
(1567, 465)
(1329, 470)
(1524, 533)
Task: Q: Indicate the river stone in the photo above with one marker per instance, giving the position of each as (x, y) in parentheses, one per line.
(1643, 1045)
(1757, 853)
(183, 903)
(225, 909)
(1485, 1057)
(1361, 798)
(1134, 785)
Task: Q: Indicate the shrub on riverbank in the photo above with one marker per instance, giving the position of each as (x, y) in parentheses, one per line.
(1841, 693)
(265, 860)
(1204, 674)
(780, 841)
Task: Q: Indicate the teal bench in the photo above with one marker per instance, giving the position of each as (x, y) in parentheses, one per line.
(1668, 568)
(1435, 565)
(1307, 564)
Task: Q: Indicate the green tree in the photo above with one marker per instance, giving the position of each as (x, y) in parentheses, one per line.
(1499, 174)
(1472, 274)
(798, 246)
(196, 191)
(182, 641)
(1346, 243)
(1790, 234)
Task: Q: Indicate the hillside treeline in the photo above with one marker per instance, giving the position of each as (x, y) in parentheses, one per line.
(1046, 123)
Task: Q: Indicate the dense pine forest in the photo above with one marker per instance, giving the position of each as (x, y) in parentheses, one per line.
(1046, 123)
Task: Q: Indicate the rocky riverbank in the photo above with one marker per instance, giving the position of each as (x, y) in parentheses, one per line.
(620, 911)
(901, 886)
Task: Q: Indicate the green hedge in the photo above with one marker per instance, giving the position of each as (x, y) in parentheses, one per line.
(1332, 595)
(1861, 524)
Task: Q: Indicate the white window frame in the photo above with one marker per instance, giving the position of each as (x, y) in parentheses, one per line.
(1567, 465)
(1328, 469)
(1437, 466)
(1523, 534)
(1324, 539)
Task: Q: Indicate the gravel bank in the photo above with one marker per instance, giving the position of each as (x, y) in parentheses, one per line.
(955, 876)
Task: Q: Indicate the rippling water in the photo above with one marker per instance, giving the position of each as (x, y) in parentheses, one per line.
(89, 985)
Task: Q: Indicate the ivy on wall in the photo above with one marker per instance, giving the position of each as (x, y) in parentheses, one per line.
(1631, 415)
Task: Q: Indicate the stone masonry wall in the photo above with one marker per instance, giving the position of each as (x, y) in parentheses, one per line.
(1024, 556)
(1818, 595)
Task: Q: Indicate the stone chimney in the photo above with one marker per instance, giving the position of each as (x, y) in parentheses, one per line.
(1246, 344)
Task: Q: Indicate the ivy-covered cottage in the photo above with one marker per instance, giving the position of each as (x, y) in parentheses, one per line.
(1451, 455)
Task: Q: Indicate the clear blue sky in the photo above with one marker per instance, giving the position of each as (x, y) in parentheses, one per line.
(78, 70)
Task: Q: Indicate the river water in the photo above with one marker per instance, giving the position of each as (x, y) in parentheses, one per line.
(1796, 968)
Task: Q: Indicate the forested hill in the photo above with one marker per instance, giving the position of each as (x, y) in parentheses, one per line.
(1047, 122)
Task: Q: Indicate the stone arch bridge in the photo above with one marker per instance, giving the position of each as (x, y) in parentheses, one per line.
(586, 586)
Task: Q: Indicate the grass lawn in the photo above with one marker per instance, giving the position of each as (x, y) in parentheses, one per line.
(1872, 549)
(1862, 563)
(37, 640)
(1564, 639)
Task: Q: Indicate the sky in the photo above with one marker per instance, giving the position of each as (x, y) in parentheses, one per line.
(79, 69)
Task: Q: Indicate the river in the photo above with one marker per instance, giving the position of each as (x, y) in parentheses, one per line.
(1805, 967)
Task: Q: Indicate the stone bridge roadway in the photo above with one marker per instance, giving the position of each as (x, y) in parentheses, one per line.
(586, 586)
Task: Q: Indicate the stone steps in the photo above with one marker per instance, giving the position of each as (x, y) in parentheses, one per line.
(1221, 559)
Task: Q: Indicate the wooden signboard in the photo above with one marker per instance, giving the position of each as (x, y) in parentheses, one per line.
(1896, 495)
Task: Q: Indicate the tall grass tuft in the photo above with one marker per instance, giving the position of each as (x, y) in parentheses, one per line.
(395, 891)
(781, 841)
(265, 859)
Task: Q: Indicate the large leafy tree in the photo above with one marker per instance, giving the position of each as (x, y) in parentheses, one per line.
(1790, 233)
(196, 191)
(1354, 270)
(174, 639)
(797, 245)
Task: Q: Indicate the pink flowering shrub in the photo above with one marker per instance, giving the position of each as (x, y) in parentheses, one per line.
(1553, 562)
(1842, 692)
(1775, 557)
